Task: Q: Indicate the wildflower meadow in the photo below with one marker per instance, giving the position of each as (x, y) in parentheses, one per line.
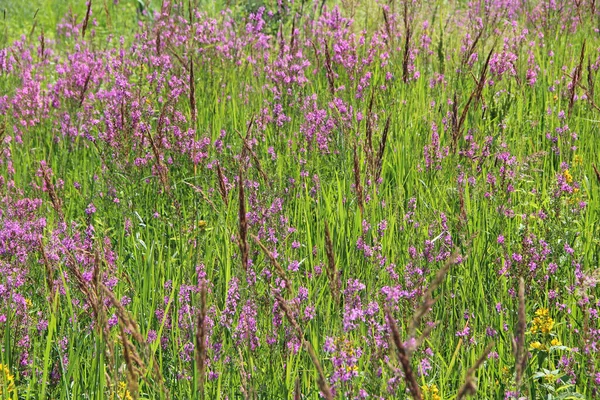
(299, 199)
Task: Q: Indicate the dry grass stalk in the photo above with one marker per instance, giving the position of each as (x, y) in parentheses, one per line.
(108, 19)
(42, 45)
(191, 11)
(49, 270)
(82, 284)
(244, 377)
(576, 78)
(457, 123)
(297, 390)
(85, 88)
(589, 91)
(222, 186)
(591, 81)
(463, 219)
(369, 136)
(329, 70)
(158, 42)
(192, 89)
(469, 52)
(470, 387)
(56, 202)
(278, 268)
(32, 27)
(388, 31)
(132, 376)
(482, 76)
(129, 323)
(292, 36)
(131, 327)
(86, 20)
(596, 172)
(407, 37)
(322, 381)
(94, 294)
(255, 158)
(201, 340)
(428, 299)
(403, 357)
(380, 153)
(332, 271)
(520, 353)
(204, 196)
(357, 183)
(243, 224)
(2, 129)
(421, 339)
(162, 170)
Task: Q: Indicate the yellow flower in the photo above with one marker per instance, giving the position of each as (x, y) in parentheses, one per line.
(555, 342)
(506, 374)
(537, 346)
(542, 322)
(7, 382)
(568, 176)
(578, 159)
(123, 393)
(542, 312)
(431, 390)
(550, 378)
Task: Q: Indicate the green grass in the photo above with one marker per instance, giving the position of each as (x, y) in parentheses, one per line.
(160, 254)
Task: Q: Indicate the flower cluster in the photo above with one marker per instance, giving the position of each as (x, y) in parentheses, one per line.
(7, 382)
(542, 322)
(431, 392)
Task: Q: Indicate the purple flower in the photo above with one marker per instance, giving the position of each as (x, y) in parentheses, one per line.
(91, 209)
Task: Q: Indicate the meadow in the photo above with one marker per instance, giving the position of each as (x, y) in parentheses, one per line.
(299, 199)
